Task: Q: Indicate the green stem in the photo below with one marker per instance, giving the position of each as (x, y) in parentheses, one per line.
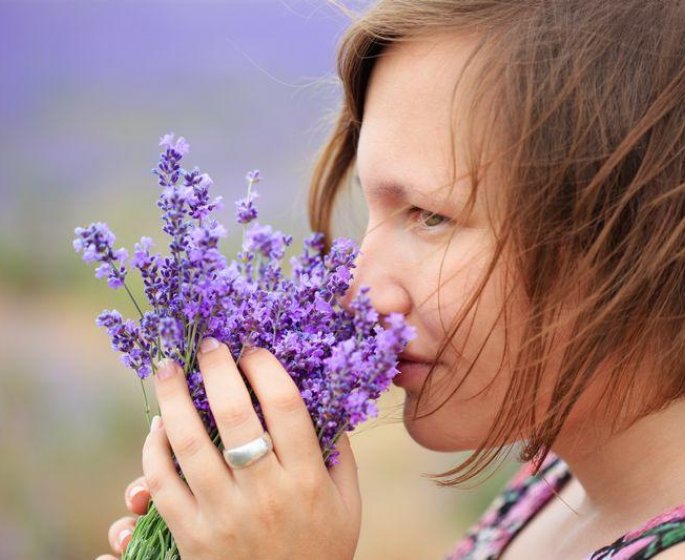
(133, 300)
(142, 385)
(190, 345)
(147, 404)
(193, 357)
(116, 269)
(154, 372)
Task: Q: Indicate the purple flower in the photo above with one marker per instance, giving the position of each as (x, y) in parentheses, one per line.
(199, 204)
(202, 244)
(96, 245)
(126, 338)
(181, 147)
(245, 210)
(263, 240)
(253, 177)
(341, 359)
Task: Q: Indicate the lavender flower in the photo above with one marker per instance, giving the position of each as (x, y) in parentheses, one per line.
(199, 205)
(96, 243)
(341, 359)
(245, 208)
(127, 338)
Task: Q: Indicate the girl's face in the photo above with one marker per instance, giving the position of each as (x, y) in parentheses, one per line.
(414, 262)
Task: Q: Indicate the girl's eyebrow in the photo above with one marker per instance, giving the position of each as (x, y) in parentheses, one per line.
(394, 191)
(384, 189)
(391, 191)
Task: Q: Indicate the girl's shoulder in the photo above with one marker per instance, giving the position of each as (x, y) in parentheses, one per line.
(526, 493)
(523, 495)
(656, 535)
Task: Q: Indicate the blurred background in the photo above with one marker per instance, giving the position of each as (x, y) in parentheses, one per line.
(88, 89)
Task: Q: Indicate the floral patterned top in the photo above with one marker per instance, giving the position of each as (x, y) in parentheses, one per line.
(525, 495)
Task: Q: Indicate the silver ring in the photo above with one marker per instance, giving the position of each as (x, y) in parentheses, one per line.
(248, 453)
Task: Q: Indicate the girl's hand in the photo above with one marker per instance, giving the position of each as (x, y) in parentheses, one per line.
(285, 505)
(136, 497)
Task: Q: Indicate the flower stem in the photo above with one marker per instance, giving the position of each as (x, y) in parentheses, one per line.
(152, 360)
(147, 404)
(140, 312)
(190, 344)
(142, 384)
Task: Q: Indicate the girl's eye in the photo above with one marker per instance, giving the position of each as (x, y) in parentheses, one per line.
(428, 219)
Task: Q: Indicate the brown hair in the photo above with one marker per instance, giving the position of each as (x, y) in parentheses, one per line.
(588, 99)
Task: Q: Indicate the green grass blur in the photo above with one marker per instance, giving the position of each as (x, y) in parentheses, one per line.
(73, 428)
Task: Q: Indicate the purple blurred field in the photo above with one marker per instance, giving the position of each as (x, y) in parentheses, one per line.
(89, 87)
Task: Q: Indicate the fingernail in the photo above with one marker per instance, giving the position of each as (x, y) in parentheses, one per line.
(209, 344)
(165, 368)
(247, 350)
(156, 423)
(123, 535)
(137, 489)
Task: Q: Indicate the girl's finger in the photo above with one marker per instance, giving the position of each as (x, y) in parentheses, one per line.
(137, 496)
(170, 493)
(200, 460)
(120, 533)
(106, 557)
(232, 406)
(344, 475)
(286, 415)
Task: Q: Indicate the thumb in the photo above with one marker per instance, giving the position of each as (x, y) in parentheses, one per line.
(344, 476)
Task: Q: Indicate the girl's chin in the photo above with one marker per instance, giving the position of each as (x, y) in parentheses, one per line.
(428, 434)
(424, 431)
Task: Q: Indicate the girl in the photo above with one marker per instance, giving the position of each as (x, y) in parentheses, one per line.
(523, 163)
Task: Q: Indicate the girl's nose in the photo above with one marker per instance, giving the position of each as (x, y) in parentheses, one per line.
(388, 283)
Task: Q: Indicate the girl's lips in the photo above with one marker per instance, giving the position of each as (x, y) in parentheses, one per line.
(411, 374)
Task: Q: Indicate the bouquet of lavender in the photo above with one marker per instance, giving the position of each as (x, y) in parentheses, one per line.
(340, 360)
